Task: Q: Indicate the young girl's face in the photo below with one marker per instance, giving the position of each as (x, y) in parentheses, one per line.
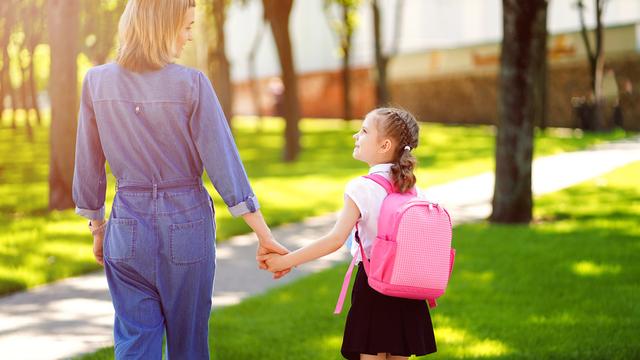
(370, 147)
(185, 31)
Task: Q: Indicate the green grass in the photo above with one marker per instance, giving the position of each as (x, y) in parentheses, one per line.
(38, 246)
(565, 287)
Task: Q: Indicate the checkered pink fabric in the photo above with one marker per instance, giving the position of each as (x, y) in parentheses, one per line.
(412, 255)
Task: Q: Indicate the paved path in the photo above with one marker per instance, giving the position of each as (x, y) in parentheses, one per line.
(75, 316)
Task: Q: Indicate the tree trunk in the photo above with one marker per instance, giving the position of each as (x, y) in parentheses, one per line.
(26, 106)
(62, 20)
(277, 12)
(512, 199)
(218, 63)
(595, 55)
(541, 79)
(34, 90)
(255, 88)
(382, 92)
(7, 88)
(346, 54)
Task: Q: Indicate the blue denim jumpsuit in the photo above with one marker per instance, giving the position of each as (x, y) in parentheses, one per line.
(157, 130)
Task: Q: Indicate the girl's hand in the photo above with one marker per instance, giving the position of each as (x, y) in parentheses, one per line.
(275, 262)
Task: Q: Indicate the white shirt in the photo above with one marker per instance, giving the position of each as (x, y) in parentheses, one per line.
(368, 197)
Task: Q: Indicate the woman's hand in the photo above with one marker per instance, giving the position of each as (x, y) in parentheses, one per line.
(97, 228)
(268, 245)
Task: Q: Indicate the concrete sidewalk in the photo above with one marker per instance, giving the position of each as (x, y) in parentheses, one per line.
(75, 316)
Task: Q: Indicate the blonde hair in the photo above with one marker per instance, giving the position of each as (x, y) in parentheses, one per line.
(148, 31)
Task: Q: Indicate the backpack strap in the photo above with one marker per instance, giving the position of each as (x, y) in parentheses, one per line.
(347, 276)
(382, 181)
(386, 184)
(345, 286)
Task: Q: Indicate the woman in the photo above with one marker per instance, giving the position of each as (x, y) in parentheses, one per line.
(158, 125)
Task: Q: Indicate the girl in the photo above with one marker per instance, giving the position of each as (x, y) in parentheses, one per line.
(377, 326)
(159, 125)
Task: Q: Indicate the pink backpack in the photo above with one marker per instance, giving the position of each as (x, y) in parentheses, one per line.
(412, 255)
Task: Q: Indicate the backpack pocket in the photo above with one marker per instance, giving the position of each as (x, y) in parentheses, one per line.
(383, 255)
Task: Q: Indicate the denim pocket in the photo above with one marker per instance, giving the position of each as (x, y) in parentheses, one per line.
(187, 242)
(121, 239)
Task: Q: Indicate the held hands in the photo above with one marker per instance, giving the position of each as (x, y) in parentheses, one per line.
(269, 247)
(275, 262)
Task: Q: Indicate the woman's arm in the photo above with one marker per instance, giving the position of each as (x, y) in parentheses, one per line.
(325, 245)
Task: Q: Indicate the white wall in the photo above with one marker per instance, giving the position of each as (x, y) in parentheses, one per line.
(427, 24)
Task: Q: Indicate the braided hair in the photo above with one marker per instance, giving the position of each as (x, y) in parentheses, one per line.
(402, 127)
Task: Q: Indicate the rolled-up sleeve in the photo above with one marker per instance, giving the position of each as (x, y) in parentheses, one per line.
(89, 175)
(218, 151)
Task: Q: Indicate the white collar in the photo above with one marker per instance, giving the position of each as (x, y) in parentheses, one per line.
(380, 168)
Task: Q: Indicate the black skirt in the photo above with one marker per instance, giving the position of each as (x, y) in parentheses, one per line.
(378, 323)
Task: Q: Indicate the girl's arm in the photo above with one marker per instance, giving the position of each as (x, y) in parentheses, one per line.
(325, 245)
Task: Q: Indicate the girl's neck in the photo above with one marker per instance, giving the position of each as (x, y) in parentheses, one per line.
(371, 165)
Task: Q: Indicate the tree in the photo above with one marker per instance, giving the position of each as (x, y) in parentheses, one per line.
(7, 22)
(595, 55)
(277, 13)
(512, 199)
(34, 28)
(218, 63)
(382, 57)
(344, 27)
(541, 79)
(99, 28)
(62, 19)
(251, 62)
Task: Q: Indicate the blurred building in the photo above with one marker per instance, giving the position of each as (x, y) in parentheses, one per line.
(447, 58)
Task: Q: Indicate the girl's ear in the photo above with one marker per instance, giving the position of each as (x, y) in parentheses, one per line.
(385, 146)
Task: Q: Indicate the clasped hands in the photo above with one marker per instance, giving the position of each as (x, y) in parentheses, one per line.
(270, 257)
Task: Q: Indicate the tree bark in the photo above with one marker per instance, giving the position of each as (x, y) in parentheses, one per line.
(512, 199)
(62, 20)
(277, 12)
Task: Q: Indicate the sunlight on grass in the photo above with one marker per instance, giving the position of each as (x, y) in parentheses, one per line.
(563, 318)
(464, 343)
(588, 268)
(483, 278)
(334, 341)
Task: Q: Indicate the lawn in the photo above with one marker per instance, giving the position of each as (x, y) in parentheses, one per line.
(564, 287)
(38, 246)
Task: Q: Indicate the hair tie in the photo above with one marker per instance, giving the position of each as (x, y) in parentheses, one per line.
(407, 148)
